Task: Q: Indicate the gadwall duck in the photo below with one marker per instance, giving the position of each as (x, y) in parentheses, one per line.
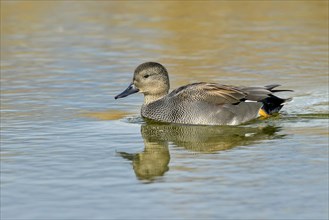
(200, 103)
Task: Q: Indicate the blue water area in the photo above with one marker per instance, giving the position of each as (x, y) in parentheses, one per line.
(70, 151)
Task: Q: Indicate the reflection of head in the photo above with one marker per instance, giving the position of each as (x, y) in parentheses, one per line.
(151, 163)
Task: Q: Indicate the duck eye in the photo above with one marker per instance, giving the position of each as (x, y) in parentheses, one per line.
(146, 76)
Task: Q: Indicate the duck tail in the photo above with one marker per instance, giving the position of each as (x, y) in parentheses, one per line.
(272, 86)
(273, 104)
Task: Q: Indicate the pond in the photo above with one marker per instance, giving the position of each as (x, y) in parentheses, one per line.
(70, 151)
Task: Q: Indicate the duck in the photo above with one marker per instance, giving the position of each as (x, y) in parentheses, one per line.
(200, 103)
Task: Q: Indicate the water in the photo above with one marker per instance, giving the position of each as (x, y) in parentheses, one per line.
(70, 151)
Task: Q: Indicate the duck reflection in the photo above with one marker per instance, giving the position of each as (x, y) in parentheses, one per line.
(153, 161)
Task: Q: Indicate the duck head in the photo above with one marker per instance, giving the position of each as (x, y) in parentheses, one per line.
(151, 79)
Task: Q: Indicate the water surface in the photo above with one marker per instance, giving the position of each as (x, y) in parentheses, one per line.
(70, 151)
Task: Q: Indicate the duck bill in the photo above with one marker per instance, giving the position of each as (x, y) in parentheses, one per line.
(130, 90)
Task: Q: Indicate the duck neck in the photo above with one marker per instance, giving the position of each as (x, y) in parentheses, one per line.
(152, 98)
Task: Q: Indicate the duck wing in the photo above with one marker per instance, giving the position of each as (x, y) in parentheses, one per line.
(223, 94)
(210, 92)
